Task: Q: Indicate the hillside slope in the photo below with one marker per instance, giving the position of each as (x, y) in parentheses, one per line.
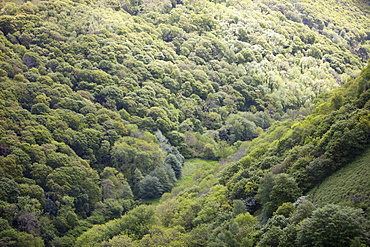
(348, 186)
(271, 181)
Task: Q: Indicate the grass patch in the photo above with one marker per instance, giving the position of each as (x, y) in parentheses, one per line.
(196, 172)
(196, 169)
(348, 186)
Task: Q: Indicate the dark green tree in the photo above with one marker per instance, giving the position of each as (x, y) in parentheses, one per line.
(331, 225)
(150, 187)
(175, 164)
(162, 175)
(9, 190)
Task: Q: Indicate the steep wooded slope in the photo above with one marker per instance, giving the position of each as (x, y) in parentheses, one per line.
(214, 208)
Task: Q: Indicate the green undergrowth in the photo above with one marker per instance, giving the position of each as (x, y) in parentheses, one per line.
(154, 201)
(349, 185)
(196, 172)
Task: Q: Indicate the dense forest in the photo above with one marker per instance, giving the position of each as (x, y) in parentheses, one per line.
(184, 123)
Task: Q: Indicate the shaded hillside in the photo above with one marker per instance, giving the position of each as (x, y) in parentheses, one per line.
(348, 186)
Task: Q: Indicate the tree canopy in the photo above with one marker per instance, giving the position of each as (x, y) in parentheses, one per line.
(108, 105)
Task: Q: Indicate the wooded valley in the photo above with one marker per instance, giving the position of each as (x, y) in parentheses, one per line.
(184, 123)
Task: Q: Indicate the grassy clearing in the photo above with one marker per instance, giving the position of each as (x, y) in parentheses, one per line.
(350, 185)
(196, 172)
(196, 169)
